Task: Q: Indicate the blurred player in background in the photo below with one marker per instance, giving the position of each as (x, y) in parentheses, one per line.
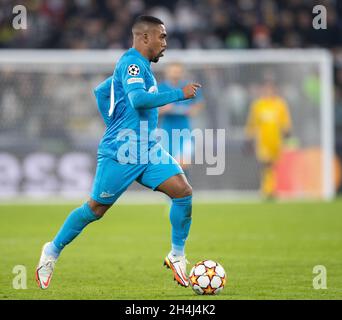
(126, 101)
(268, 124)
(178, 115)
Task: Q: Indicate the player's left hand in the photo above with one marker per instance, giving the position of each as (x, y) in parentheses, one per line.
(190, 90)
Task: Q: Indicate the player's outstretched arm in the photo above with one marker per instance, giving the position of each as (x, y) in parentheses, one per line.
(141, 99)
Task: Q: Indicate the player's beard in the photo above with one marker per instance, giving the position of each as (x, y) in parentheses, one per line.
(156, 58)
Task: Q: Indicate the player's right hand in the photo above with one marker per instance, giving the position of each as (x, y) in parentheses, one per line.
(190, 90)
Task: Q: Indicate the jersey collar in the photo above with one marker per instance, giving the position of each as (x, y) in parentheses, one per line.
(137, 53)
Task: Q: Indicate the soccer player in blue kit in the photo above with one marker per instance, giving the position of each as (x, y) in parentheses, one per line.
(128, 102)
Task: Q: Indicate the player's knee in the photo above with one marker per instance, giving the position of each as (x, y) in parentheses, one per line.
(99, 209)
(186, 191)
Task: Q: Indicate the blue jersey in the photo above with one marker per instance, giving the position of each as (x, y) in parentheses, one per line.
(132, 71)
(177, 117)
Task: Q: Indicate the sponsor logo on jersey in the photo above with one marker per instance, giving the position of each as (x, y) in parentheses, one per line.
(135, 80)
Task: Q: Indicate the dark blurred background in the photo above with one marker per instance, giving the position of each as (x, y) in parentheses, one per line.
(207, 24)
(203, 24)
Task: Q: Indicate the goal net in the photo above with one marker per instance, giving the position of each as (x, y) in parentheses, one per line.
(50, 127)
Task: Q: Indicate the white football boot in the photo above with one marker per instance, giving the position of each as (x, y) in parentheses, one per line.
(178, 266)
(44, 269)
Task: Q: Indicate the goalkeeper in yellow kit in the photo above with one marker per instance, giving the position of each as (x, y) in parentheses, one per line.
(267, 124)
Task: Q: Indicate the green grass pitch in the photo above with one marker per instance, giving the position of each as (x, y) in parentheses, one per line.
(268, 250)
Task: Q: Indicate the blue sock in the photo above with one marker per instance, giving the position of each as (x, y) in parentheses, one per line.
(72, 227)
(180, 217)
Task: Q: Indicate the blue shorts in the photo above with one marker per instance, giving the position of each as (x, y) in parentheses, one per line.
(112, 178)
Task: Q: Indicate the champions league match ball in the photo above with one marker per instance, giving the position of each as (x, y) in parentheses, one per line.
(207, 277)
